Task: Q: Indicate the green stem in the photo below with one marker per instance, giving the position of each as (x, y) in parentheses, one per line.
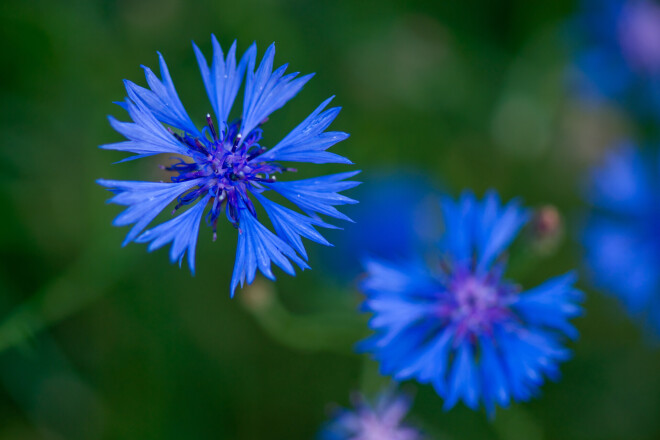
(315, 332)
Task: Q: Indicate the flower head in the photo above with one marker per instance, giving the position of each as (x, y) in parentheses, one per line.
(381, 421)
(409, 227)
(459, 324)
(224, 167)
(621, 238)
(619, 58)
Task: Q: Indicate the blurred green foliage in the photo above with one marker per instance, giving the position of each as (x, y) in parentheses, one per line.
(101, 342)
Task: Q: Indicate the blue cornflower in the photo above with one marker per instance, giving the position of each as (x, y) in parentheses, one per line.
(621, 237)
(619, 54)
(381, 421)
(408, 228)
(223, 166)
(459, 324)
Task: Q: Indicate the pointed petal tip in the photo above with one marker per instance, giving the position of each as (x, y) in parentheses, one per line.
(448, 405)
(129, 158)
(571, 276)
(268, 274)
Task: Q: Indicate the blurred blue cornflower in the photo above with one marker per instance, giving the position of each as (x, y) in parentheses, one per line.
(397, 205)
(381, 421)
(619, 53)
(224, 167)
(458, 323)
(621, 237)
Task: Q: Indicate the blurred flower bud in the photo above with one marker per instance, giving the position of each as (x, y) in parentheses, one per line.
(546, 230)
(257, 296)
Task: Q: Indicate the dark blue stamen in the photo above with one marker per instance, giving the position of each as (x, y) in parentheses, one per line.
(255, 150)
(235, 143)
(230, 167)
(209, 121)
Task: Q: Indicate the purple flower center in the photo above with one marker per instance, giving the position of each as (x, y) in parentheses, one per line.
(639, 35)
(474, 303)
(230, 166)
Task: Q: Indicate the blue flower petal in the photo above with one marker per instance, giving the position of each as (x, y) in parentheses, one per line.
(622, 183)
(146, 136)
(257, 247)
(224, 78)
(291, 226)
(431, 364)
(390, 280)
(615, 60)
(459, 232)
(145, 200)
(494, 386)
(551, 304)
(620, 237)
(529, 355)
(162, 99)
(623, 260)
(497, 228)
(267, 91)
(398, 343)
(604, 74)
(182, 231)
(463, 379)
(318, 194)
(307, 142)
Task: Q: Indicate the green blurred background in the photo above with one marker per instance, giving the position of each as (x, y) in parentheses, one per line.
(99, 342)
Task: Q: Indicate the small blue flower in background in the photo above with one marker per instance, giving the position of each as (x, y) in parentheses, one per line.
(619, 58)
(381, 421)
(224, 166)
(397, 216)
(458, 324)
(622, 237)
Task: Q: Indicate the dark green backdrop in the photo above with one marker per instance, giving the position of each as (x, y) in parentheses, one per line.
(103, 342)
